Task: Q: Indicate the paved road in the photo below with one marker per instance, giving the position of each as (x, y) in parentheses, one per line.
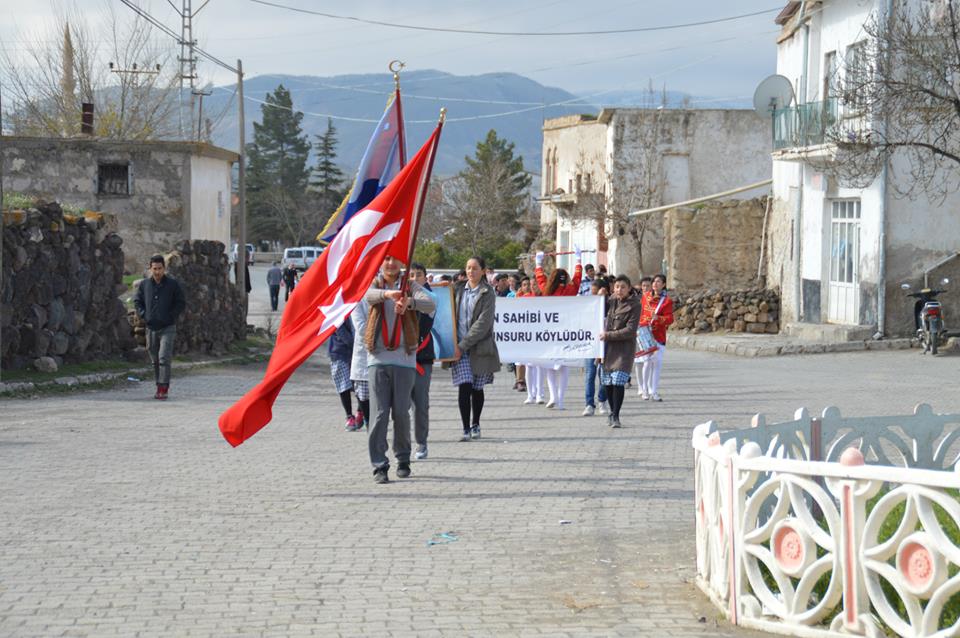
(123, 516)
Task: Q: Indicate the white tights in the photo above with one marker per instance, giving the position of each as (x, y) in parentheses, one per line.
(534, 383)
(650, 378)
(557, 384)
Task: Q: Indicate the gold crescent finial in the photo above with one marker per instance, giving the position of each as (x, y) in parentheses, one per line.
(395, 67)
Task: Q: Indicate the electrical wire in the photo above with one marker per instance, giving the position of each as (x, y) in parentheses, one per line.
(515, 33)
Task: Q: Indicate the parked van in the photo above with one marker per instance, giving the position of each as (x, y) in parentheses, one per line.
(302, 257)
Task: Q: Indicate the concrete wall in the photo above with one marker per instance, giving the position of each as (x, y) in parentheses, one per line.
(210, 187)
(155, 214)
(645, 157)
(697, 153)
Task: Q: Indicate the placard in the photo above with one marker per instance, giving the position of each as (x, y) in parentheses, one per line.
(545, 328)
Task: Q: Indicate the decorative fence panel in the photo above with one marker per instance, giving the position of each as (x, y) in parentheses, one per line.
(790, 543)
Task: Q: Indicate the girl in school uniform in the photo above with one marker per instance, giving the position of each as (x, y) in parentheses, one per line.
(559, 284)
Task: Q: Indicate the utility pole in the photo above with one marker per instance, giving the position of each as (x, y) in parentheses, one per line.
(201, 94)
(134, 71)
(242, 187)
(187, 59)
(188, 55)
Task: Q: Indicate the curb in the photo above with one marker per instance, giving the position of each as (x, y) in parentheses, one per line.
(101, 378)
(768, 349)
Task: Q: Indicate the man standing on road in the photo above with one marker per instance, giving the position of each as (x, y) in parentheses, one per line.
(159, 301)
(289, 280)
(274, 277)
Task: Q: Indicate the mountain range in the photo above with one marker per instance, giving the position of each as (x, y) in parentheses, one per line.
(514, 105)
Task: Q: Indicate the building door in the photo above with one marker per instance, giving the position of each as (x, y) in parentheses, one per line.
(843, 293)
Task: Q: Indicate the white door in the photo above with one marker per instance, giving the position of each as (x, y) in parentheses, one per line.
(843, 293)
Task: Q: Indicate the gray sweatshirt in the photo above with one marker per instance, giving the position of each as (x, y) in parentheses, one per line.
(422, 301)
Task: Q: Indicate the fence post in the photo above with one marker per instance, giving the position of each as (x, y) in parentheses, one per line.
(852, 520)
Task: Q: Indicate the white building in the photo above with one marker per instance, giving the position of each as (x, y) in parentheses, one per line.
(839, 254)
(631, 158)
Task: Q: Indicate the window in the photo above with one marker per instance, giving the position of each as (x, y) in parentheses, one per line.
(113, 179)
(845, 241)
(857, 76)
(830, 75)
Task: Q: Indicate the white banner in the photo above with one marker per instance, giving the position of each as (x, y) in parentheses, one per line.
(544, 328)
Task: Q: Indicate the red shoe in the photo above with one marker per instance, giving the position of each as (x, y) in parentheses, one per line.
(351, 425)
(159, 393)
(162, 392)
(361, 421)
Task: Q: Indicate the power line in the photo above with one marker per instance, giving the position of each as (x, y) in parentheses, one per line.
(516, 33)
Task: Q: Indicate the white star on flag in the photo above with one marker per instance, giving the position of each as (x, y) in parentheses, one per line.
(336, 313)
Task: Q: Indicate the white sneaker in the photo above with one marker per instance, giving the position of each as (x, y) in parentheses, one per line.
(540, 401)
(645, 397)
(421, 452)
(640, 392)
(656, 397)
(551, 405)
(603, 409)
(529, 401)
(588, 411)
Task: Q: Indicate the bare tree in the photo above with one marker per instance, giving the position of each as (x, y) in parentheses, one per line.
(897, 93)
(47, 84)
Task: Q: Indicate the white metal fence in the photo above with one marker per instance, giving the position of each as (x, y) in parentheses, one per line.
(832, 526)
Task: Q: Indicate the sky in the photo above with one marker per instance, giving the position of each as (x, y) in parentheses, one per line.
(720, 60)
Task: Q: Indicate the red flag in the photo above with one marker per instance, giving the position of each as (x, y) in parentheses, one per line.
(333, 286)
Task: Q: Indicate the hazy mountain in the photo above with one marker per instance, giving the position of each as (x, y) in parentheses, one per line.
(512, 104)
(467, 99)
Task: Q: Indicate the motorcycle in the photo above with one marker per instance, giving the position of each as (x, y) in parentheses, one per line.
(928, 318)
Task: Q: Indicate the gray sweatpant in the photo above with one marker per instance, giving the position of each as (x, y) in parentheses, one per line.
(390, 391)
(421, 405)
(160, 347)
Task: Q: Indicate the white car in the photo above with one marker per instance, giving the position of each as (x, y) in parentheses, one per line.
(236, 248)
(301, 257)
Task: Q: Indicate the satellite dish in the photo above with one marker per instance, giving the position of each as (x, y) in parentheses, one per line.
(773, 93)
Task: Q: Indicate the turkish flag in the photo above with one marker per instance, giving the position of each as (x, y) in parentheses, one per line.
(333, 286)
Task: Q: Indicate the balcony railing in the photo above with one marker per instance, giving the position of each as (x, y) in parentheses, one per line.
(817, 123)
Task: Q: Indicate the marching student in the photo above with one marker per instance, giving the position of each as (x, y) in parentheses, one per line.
(645, 285)
(558, 285)
(476, 358)
(391, 337)
(340, 349)
(425, 357)
(599, 287)
(358, 368)
(658, 315)
(619, 337)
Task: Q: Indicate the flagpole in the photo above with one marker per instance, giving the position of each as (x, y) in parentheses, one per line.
(401, 135)
(423, 200)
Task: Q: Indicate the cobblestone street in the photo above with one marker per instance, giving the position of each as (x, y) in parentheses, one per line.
(122, 516)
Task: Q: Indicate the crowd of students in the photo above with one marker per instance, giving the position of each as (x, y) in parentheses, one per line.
(384, 355)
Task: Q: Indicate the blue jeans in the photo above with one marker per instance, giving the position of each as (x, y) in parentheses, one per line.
(591, 383)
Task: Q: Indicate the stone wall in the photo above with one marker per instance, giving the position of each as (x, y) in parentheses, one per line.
(714, 246)
(756, 311)
(214, 317)
(58, 297)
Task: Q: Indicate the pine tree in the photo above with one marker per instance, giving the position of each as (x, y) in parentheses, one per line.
(489, 197)
(277, 174)
(326, 181)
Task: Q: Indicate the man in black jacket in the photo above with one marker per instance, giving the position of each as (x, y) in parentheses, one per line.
(159, 301)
